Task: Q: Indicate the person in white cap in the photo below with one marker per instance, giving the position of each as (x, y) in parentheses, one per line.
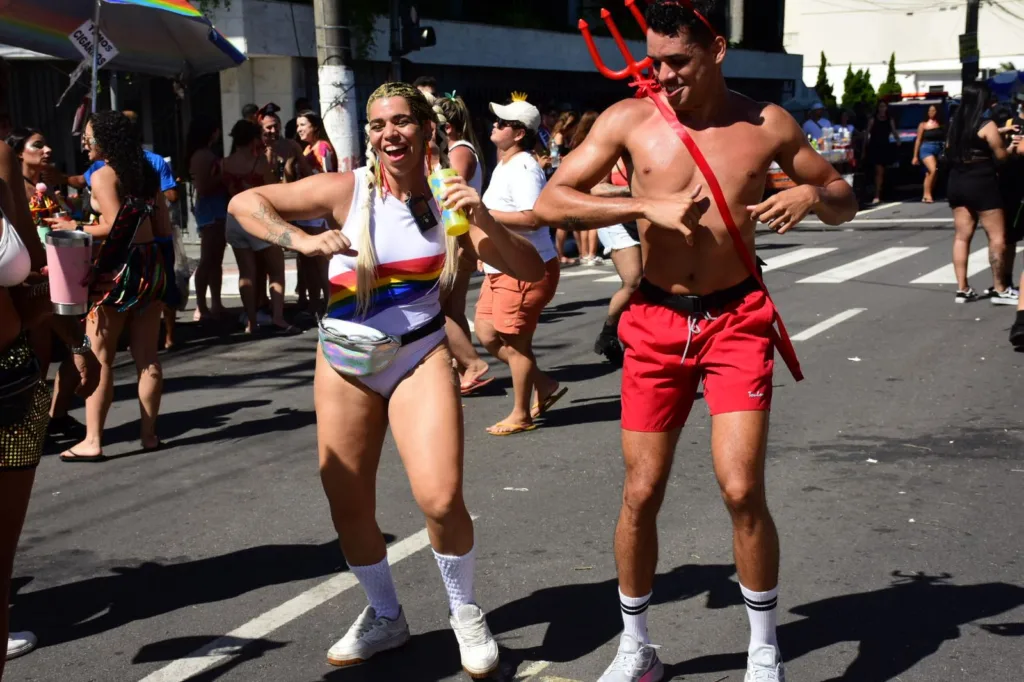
(508, 310)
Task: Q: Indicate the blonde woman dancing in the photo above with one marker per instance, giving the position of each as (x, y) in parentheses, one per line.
(383, 357)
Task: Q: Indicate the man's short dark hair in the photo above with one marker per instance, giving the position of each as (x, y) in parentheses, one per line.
(672, 18)
(249, 110)
(425, 82)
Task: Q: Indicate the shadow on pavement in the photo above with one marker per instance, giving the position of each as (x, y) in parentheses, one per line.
(299, 373)
(580, 619)
(553, 313)
(894, 627)
(73, 611)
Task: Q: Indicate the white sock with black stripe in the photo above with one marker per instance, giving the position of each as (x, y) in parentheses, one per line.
(761, 612)
(634, 616)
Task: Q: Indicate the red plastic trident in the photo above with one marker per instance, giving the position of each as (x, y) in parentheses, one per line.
(633, 67)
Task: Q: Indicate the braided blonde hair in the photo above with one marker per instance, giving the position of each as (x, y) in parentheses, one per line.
(429, 117)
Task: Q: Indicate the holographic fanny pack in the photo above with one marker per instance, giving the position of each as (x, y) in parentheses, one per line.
(355, 349)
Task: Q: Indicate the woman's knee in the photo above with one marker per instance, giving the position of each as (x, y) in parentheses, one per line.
(439, 504)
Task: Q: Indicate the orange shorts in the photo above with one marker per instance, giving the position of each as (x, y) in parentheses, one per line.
(514, 307)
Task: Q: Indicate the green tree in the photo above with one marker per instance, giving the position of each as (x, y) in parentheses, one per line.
(891, 87)
(857, 89)
(823, 87)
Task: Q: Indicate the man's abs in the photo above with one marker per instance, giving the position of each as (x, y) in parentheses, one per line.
(711, 264)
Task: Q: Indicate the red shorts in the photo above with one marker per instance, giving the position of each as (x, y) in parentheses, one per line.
(730, 349)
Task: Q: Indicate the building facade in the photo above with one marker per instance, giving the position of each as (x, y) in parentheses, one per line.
(924, 35)
(486, 50)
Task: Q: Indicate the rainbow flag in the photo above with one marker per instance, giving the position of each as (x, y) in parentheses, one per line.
(159, 37)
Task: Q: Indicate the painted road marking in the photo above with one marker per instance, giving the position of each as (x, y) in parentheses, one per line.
(613, 278)
(793, 257)
(864, 265)
(977, 263)
(811, 332)
(231, 644)
(878, 208)
(886, 221)
(579, 273)
(531, 670)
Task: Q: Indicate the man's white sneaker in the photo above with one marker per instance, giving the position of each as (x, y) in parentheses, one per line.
(369, 635)
(764, 664)
(477, 647)
(19, 644)
(635, 662)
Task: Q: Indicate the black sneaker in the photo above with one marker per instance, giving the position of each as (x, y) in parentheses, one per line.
(967, 295)
(1017, 336)
(609, 346)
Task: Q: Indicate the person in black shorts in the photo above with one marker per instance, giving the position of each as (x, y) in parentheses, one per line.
(973, 148)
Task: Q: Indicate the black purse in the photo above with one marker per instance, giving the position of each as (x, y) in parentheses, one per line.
(17, 392)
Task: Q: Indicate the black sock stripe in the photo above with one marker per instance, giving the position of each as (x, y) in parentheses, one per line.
(634, 610)
(761, 605)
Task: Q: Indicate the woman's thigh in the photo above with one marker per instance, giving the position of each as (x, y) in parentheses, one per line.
(351, 421)
(426, 420)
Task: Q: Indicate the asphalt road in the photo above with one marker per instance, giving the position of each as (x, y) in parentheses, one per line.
(895, 476)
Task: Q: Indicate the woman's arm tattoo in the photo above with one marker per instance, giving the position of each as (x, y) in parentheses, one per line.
(278, 231)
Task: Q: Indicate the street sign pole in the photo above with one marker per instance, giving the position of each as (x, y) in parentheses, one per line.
(95, 56)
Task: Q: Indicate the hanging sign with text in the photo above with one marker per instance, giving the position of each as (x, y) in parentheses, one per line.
(82, 38)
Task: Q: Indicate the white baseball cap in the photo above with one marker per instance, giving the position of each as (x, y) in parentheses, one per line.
(520, 111)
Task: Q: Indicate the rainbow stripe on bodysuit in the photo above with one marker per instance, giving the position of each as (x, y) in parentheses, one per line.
(399, 283)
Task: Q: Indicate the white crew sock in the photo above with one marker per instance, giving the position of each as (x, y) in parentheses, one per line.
(762, 614)
(634, 616)
(457, 574)
(379, 587)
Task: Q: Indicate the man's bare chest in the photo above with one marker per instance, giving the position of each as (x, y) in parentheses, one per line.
(739, 157)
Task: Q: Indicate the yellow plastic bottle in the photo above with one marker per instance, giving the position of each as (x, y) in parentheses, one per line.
(456, 223)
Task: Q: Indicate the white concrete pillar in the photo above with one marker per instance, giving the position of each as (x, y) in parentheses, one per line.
(236, 90)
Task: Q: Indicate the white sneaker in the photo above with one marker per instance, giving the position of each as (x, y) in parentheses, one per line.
(19, 644)
(477, 647)
(369, 635)
(635, 662)
(764, 664)
(1008, 296)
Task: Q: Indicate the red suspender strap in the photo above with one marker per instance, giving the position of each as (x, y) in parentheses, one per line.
(780, 337)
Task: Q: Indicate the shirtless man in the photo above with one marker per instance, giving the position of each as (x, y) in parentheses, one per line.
(699, 314)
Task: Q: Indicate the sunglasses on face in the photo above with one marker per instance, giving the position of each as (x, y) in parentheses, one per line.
(501, 124)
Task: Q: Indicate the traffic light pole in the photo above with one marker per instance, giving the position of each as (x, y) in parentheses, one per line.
(969, 62)
(337, 82)
(396, 40)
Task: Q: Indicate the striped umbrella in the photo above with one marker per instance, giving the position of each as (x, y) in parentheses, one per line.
(158, 37)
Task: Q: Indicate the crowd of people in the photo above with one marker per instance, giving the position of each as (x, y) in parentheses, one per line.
(385, 280)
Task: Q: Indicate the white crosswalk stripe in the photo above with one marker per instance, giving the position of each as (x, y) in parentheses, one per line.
(977, 263)
(863, 266)
(794, 257)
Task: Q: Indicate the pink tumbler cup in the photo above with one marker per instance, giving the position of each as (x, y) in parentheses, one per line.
(69, 259)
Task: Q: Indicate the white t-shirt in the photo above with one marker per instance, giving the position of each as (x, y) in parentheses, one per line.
(515, 186)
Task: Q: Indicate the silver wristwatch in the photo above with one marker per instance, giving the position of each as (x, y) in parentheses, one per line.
(81, 350)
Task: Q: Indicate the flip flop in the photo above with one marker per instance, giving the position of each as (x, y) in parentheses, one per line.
(75, 458)
(515, 428)
(539, 409)
(159, 446)
(475, 385)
